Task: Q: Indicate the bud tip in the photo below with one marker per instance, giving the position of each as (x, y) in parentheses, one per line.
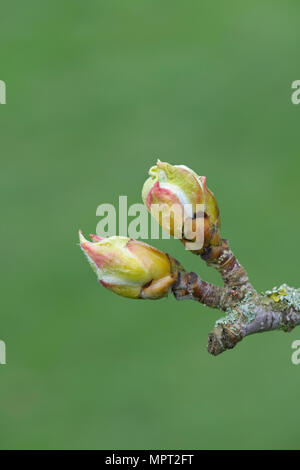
(95, 238)
(81, 237)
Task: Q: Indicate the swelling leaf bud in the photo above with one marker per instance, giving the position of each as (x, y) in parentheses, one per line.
(130, 268)
(183, 205)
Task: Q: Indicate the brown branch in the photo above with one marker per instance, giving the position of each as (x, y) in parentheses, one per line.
(253, 316)
(247, 312)
(191, 286)
(224, 261)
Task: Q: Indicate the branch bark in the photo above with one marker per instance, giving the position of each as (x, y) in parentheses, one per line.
(256, 314)
(247, 312)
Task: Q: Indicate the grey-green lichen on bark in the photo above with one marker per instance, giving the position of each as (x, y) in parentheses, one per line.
(287, 294)
(277, 309)
(244, 308)
(246, 311)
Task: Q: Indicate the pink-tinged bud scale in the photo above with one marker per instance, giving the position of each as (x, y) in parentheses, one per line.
(180, 192)
(130, 268)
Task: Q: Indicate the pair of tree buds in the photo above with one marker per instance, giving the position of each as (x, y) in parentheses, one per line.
(180, 201)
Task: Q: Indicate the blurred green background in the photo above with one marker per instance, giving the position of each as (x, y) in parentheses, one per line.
(96, 91)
